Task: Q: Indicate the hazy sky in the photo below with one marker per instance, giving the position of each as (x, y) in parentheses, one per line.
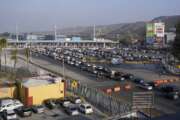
(37, 15)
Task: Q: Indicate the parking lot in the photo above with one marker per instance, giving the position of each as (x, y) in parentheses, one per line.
(67, 109)
(60, 114)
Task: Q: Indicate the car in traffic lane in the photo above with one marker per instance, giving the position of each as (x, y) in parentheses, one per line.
(169, 91)
(145, 86)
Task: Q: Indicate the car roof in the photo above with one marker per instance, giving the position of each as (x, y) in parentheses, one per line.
(86, 104)
(10, 111)
(6, 101)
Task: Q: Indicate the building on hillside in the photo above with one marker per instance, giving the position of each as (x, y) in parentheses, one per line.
(169, 37)
(155, 34)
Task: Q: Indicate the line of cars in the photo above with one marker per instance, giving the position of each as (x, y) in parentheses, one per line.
(106, 54)
(166, 90)
(10, 109)
(71, 105)
(75, 59)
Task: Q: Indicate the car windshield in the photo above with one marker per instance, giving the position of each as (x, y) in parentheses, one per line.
(26, 109)
(88, 107)
(39, 106)
(10, 114)
(73, 108)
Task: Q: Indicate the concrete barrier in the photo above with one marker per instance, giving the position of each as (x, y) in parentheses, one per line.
(165, 81)
(139, 62)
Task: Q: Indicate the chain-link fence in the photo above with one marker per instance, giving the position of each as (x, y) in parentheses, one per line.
(104, 102)
(170, 68)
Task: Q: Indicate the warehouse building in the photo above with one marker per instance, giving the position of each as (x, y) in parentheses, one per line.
(34, 91)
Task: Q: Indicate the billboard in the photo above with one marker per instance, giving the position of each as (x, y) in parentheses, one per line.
(159, 29)
(149, 30)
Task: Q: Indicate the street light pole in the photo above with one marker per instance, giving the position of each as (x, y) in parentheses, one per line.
(63, 64)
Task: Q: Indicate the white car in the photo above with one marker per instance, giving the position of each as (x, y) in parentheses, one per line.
(76, 100)
(38, 109)
(9, 104)
(72, 110)
(146, 86)
(10, 115)
(85, 108)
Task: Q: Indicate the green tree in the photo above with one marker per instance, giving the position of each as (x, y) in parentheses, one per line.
(0, 53)
(3, 45)
(176, 44)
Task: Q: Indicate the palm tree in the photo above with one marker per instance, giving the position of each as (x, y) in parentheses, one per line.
(14, 57)
(27, 55)
(0, 53)
(4, 45)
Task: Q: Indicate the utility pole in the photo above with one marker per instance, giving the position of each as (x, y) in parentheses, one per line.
(17, 34)
(55, 32)
(94, 34)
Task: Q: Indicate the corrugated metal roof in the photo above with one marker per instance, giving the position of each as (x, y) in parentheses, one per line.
(41, 80)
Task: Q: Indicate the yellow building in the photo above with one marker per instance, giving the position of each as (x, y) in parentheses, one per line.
(34, 91)
(8, 90)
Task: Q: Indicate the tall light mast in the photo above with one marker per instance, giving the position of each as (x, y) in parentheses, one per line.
(17, 34)
(94, 34)
(55, 32)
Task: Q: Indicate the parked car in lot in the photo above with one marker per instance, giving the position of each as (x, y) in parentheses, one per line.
(64, 102)
(9, 104)
(9, 115)
(1, 115)
(24, 111)
(38, 109)
(145, 86)
(170, 91)
(72, 110)
(85, 108)
(75, 100)
(50, 103)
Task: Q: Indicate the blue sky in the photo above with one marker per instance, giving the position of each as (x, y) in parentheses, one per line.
(38, 15)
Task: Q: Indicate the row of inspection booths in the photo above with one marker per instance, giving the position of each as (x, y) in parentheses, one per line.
(34, 90)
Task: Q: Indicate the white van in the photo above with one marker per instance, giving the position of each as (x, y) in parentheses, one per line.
(9, 104)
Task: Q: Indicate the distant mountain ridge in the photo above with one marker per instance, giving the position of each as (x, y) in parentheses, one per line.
(121, 31)
(118, 32)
